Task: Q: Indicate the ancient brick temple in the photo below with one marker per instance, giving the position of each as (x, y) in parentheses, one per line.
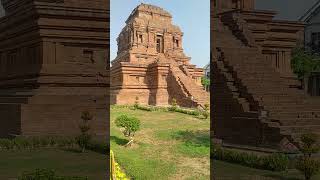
(53, 65)
(257, 99)
(151, 65)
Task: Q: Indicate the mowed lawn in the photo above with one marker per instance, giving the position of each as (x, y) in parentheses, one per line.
(169, 145)
(66, 162)
(228, 171)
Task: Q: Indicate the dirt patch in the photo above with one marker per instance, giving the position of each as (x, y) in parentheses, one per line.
(197, 167)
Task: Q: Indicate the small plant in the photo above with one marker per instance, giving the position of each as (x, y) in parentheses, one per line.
(206, 111)
(174, 105)
(84, 138)
(276, 162)
(136, 103)
(306, 164)
(130, 125)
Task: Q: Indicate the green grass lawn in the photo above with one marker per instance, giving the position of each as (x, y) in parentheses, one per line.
(228, 171)
(168, 146)
(65, 162)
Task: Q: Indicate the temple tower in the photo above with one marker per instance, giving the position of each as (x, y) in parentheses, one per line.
(147, 46)
(53, 66)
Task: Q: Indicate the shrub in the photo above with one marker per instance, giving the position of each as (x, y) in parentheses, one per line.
(309, 146)
(276, 162)
(174, 105)
(84, 138)
(273, 162)
(309, 167)
(46, 174)
(205, 114)
(6, 144)
(145, 108)
(130, 124)
(115, 170)
(136, 103)
(306, 164)
(20, 143)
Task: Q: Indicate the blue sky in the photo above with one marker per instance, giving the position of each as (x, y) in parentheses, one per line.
(193, 17)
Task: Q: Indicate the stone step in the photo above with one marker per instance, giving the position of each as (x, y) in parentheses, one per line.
(300, 121)
(300, 129)
(294, 114)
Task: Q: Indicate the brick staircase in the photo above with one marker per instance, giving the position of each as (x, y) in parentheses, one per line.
(190, 89)
(253, 104)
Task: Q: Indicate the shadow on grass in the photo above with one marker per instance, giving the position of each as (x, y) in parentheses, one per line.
(202, 117)
(72, 150)
(119, 141)
(281, 177)
(201, 138)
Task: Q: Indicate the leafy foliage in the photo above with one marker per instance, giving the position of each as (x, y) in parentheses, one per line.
(206, 111)
(309, 167)
(20, 143)
(115, 169)
(303, 63)
(306, 164)
(46, 174)
(84, 138)
(205, 81)
(276, 162)
(174, 105)
(273, 162)
(130, 124)
(136, 103)
(194, 112)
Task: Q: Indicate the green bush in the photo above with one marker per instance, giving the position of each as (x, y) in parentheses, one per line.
(84, 138)
(309, 167)
(46, 174)
(174, 105)
(276, 162)
(273, 162)
(20, 143)
(193, 112)
(187, 111)
(130, 124)
(206, 111)
(6, 144)
(136, 103)
(145, 108)
(304, 63)
(306, 164)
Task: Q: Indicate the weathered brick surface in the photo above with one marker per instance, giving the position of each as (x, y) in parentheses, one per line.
(54, 58)
(256, 101)
(151, 64)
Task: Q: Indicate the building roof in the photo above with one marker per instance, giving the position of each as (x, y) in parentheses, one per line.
(207, 67)
(148, 8)
(311, 12)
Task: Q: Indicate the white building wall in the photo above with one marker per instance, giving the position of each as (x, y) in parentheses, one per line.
(312, 26)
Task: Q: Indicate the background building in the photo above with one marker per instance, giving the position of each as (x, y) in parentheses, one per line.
(312, 28)
(207, 75)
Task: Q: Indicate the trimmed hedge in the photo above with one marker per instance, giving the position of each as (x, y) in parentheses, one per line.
(20, 143)
(46, 174)
(194, 112)
(187, 111)
(273, 162)
(116, 173)
(37, 142)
